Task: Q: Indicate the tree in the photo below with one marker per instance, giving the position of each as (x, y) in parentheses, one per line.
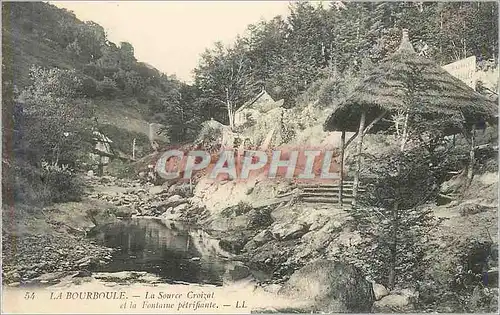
(224, 78)
(392, 219)
(56, 126)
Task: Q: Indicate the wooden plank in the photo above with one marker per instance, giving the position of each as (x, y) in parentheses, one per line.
(323, 200)
(329, 189)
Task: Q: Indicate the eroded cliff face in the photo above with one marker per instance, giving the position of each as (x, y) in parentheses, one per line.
(219, 195)
(280, 238)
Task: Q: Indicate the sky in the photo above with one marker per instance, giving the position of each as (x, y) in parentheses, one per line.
(172, 35)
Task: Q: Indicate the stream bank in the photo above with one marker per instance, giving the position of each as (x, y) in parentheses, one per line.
(265, 246)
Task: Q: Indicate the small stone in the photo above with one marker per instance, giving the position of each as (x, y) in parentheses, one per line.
(380, 291)
(237, 272)
(262, 237)
(391, 303)
(181, 207)
(155, 190)
(174, 198)
(289, 231)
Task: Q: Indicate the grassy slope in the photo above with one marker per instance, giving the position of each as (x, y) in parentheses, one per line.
(24, 47)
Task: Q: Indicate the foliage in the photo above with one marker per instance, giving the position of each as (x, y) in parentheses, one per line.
(44, 184)
(317, 43)
(55, 126)
(181, 112)
(123, 140)
(241, 208)
(392, 220)
(457, 282)
(51, 38)
(223, 78)
(61, 181)
(52, 130)
(121, 169)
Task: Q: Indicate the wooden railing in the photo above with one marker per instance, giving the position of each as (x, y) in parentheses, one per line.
(328, 193)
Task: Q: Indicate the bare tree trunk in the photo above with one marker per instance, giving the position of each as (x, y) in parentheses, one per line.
(404, 133)
(392, 263)
(133, 149)
(230, 113)
(440, 33)
(358, 158)
(470, 170)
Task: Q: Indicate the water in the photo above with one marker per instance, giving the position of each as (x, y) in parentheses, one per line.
(171, 251)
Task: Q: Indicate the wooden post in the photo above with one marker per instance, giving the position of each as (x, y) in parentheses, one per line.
(393, 246)
(358, 158)
(133, 149)
(342, 152)
(470, 171)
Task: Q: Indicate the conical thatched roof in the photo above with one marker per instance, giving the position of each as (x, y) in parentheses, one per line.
(437, 96)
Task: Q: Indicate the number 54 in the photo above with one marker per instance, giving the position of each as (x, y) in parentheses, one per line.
(29, 296)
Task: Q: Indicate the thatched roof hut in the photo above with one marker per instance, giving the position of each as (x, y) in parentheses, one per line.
(406, 81)
(409, 85)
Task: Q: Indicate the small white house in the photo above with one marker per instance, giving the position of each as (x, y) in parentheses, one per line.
(102, 148)
(254, 109)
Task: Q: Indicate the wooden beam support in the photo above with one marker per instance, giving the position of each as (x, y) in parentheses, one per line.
(350, 140)
(376, 120)
(342, 152)
(470, 170)
(358, 157)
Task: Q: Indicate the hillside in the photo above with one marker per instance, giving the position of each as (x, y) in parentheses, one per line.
(114, 83)
(402, 242)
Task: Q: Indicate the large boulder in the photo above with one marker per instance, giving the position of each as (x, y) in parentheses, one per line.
(236, 271)
(289, 231)
(330, 287)
(380, 291)
(234, 242)
(392, 303)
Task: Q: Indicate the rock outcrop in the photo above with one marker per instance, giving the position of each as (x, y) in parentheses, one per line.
(331, 287)
(173, 203)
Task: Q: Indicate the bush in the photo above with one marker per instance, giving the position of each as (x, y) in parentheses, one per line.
(107, 87)
(44, 185)
(392, 218)
(62, 182)
(456, 280)
(241, 208)
(120, 169)
(329, 91)
(182, 189)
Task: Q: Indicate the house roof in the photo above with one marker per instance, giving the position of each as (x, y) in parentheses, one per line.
(100, 137)
(254, 100)
(406, 81)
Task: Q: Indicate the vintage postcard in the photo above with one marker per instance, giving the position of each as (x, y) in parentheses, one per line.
(237, 157)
